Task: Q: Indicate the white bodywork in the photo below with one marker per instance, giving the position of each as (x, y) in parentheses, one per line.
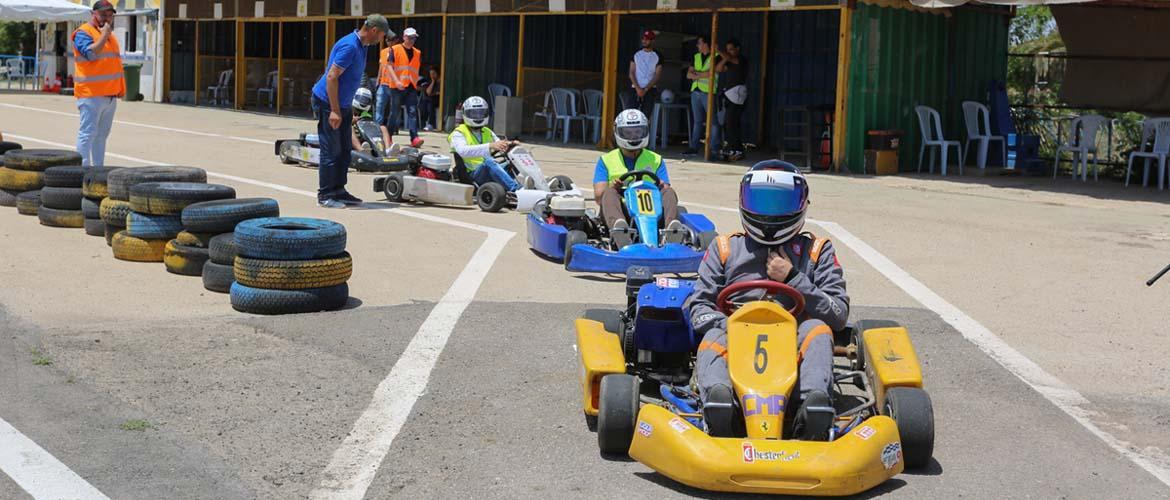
(437, 191)
(535, 184)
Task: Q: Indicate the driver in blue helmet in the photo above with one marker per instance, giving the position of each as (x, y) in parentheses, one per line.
(773, 199)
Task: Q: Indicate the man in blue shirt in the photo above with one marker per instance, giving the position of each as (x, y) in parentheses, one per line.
(632, 134)
(335, 89)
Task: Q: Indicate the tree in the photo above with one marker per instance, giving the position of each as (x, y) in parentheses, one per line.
(15, 34)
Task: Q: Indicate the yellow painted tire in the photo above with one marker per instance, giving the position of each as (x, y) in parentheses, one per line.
(127, 247)
(184, 260)
(293, 274)
(197, 240)
(114, 212)
(21, 180)
(54, 217)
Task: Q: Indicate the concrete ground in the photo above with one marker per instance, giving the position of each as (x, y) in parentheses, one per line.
(238, 406)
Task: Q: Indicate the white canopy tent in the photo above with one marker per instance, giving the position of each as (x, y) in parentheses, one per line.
(942, 4)
(42, 11)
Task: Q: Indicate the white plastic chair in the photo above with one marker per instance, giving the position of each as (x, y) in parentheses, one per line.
(1082, 142)
(269, 90)
(932, 136)
(16, 70)
(1159, 128)
(546, 112)
(593, 100)
(975, 114)
(218, 93)
(496, 89)
(565, 113)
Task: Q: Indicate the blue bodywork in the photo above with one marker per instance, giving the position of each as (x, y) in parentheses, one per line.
(644, 205)
(662, 324)
(547, 239)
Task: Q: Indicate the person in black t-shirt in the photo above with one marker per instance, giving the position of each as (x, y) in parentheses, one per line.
(732, 68)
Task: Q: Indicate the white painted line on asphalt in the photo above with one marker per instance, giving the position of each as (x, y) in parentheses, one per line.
(1069, 400)
(356, 462)
(143, 125)
(38, 472)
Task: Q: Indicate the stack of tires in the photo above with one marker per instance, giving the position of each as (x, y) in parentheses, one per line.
(115, 209)
(287, 265)
(7, 196)
(155, 218)
(61, 198)
(93, 191)
(24, 172)
(209, 221)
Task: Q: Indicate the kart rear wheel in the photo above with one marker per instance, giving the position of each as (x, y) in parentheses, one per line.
(491, 197)
(911, 409)
(395, 184)
(617, 414)
(560, 183)
(286, 155)
(705, 239)
(575, 237)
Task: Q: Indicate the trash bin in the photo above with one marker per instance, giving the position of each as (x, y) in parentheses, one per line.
(881, 151)
(132, 72)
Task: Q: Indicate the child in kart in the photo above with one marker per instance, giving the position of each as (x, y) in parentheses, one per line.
(474, 142)
(773, 198)
(362, 101)
(631, 132)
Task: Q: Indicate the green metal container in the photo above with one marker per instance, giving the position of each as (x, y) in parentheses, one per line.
(132, 73)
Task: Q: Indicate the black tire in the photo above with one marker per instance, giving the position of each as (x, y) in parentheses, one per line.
(394, 187)
(705, 239)
(120, 181)
(91, 208)
(859, 328)
(911, 409)
(221, 216)
(94, 185)
(289, 238)
(197, 240)
(610, 318)
(184, 260)
(114, 212)
(170, 198)
(491, 197)
(110, 232)
(40, 159)
(285, 148)
(617, 414)
(560, 183)
(222, 249)
(54, 217)
(8, 197)
(294, 274)
(95, 227)
(261, 301)
(217, 277)
(61, 198)
(682, 210)
(6, 146)
(574, 237)
(153, 227)
(64, 177)
(28, 202)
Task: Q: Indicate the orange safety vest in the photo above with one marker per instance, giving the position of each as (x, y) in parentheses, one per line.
(405, 69)
(101, 76)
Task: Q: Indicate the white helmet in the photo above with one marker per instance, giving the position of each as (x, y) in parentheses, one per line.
(667, 96)
(631, 130)
(362, 99)
(475, 111)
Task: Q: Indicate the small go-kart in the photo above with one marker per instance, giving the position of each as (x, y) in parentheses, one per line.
(373, 157)
(636, 371)
(443, 180)
(563, 229)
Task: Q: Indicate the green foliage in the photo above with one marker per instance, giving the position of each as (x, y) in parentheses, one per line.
(12, 34)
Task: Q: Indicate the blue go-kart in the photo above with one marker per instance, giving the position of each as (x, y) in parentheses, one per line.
(560, 227)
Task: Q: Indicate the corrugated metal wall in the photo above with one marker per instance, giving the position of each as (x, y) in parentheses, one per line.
(802, 64)
(480, 50)
(902, 58)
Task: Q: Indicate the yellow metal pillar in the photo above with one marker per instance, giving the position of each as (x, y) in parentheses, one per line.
(610, 79)
(763, 81)
(711, 85)
(167, 25)
(279, 65)
(520, 62)
(844, 50)
(440, 117)
(196, 63)
(241, 67)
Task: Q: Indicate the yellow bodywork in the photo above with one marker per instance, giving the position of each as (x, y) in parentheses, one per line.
(762, 359)
(890, 360)
(601, 355)
(855, 462)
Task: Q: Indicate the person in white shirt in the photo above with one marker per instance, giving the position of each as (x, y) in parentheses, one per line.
(645, 71)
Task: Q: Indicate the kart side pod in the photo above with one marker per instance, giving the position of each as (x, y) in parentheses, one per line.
(890, 360)
(601, 355)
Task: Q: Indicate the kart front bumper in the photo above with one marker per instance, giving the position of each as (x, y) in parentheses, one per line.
(866, 457)
(669, 258)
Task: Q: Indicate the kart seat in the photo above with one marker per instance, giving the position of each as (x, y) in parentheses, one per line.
(461, 174)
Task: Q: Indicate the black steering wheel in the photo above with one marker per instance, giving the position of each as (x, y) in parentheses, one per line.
(628, 177)
(773, 289)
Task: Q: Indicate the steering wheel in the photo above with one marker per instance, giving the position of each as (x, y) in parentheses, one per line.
(773, 288)
(627, 177)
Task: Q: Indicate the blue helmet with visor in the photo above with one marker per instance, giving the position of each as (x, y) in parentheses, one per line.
(773, 198)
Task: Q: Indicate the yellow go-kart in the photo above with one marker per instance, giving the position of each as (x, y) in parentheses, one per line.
(636, 385)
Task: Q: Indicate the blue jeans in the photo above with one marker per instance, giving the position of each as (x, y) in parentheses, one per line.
(332, 174)
(97, 117)
(409, 97)
(381, 103)
(490, 171)
(699, 120)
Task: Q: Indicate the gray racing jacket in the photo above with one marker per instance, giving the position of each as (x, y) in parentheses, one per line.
(730, 259)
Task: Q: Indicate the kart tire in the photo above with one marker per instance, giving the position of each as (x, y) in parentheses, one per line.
(91, 208)
(617, 414)
(8, 197)
(611, 319)
(560, 183)
(705, 239)
(61, 198)
(911, 409)
(95, 227)
(682, 210)
(197, 240)
(289, 238)
(114, 212)
(134, 249)
(37, 160)
(184, 260)
(55, 217)
(170, 198)
(285, 148)
(64, 177)
(20, 180)
(110, 232)
(262, 301)
(491, 197)
(859, 328)
(28, 202)
(221, 216)
(94, 185)
(293, 274)
(222, 249)
(120, 181)
(153, 227)
(6, 146)
(217, 277)
(394, 187)
(575, 237)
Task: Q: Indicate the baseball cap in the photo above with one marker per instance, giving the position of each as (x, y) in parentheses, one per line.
(101, 5)
(410, 32)
(648, 34)
(378, 21)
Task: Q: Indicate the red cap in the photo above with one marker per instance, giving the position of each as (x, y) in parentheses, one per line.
(103, 5)
(648, 34)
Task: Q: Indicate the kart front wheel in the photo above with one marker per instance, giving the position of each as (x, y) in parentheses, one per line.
(575, 237)
(286, 152)
(617, 414)
(911, 409)
(395, 184)
(560, 183)
(491, 197)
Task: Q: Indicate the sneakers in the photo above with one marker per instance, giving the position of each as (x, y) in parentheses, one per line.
(815, 417)
(719, 412)
(621, 234)
(417, 142)
(330, 203)
(675, 232)
(348, 199)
